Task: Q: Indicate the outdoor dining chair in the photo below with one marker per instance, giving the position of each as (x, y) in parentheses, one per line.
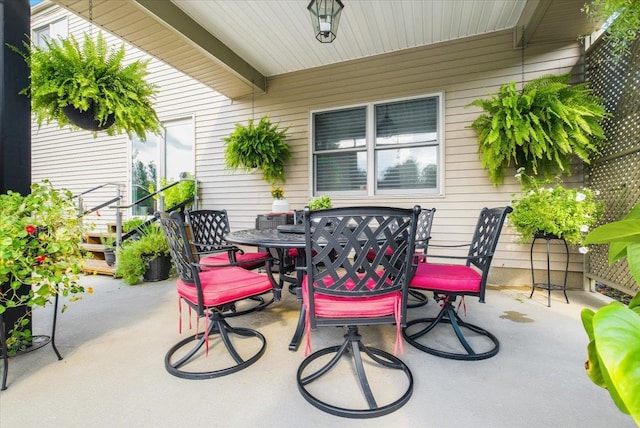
(423, 235)
(208, 228)
(342, 287)
(212, 294)
(450, 281)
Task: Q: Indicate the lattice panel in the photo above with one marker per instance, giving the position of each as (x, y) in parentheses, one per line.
(616, 172)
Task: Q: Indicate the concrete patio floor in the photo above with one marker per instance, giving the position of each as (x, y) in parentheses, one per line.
(114, 341)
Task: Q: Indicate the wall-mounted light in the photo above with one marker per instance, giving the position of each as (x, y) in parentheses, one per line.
(325, 17)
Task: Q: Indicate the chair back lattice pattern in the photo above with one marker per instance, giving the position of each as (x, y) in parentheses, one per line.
(208, 228)
(423, 229)
(338, 240)
(485, 238)
(179, 245)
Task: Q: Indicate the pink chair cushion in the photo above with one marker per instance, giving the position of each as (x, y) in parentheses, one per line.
(247, 260)
(442, 277)
(225, 285)
(353, 307)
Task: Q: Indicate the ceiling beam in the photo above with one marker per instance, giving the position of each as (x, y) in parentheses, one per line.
(173, 17)
(529, 21)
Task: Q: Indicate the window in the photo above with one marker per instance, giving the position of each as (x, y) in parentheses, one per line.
(166, 156)
(53, 30)
(384, 148)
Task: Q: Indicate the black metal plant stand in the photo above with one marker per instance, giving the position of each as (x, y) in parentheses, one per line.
(38, 342)
(548, 285)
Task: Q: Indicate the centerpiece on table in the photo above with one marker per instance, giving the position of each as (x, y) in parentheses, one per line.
(280, 204)
(546, 207)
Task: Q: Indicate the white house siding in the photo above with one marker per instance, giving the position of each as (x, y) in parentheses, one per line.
(462, 70)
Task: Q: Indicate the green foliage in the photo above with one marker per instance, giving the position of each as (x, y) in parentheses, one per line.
(40, 254)
(623, 30)
(132, 223)
(545, 206)
(539, 128)
(614, 330)
(623, 237)
(133, 256)
(182, 191)
(259, 147)
(91, 76)
(321, 203)
(613, 349)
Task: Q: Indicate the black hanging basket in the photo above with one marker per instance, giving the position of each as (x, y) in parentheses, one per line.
(86, 119)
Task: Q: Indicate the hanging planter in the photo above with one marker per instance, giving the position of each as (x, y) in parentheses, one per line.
(86, 119)
(89, 87)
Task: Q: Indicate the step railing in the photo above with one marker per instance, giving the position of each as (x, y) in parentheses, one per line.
(119, 236)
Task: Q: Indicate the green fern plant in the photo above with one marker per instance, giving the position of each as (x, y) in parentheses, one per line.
(259, 147)
(91, 77)
(539, 128)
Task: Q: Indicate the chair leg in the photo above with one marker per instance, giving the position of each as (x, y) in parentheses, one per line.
(217, 326)
(448, 315)
(353, 349)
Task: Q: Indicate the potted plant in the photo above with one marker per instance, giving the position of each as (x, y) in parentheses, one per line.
(546, 207)
(40, 255)
(321, 203)
(539, 128)
(69, 82)
(144, 258)
(185, 190)
(614, 330)
(280, 204)
(109, 248)
(260, 147)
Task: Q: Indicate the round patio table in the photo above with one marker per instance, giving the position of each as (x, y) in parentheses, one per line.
(281, 239)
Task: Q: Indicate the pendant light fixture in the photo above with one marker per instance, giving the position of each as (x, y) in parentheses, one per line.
(325, 17)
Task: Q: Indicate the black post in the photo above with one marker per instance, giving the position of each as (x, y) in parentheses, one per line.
(15, 111)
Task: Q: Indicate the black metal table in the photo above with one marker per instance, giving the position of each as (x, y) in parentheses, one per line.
(280, 242)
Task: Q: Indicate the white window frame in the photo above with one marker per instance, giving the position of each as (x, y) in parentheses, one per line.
(371, 190)
(58, 29)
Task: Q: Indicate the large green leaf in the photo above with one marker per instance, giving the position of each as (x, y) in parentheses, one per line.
(617, 335)
(619, 231)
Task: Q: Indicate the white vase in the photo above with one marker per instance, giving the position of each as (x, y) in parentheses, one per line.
(280, 206)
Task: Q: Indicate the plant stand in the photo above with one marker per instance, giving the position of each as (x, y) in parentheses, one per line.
(38, 342)
(549, 285)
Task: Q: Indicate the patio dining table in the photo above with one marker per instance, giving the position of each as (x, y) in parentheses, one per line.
(281, 240)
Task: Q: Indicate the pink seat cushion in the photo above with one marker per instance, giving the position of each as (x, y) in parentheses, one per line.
(246, 260)
(225, 285)
(442, 277)
(348, 307)
(353, 307)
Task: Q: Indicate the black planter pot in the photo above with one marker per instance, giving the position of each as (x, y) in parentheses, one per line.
(86, 119)
(110, 257)
(158, 269)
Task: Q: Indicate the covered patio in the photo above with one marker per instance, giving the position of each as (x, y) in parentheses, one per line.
(114, 341)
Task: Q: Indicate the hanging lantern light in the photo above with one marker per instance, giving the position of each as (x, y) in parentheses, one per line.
(325, 16)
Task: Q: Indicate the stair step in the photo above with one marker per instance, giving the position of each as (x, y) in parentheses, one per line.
(95, 248)
(94, 266)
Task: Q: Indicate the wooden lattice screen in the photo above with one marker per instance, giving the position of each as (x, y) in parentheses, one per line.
(616, 171)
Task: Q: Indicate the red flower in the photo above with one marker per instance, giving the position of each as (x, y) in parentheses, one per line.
(30, 229)
(41, 259)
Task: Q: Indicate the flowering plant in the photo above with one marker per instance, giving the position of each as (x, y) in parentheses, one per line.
(547, 207)
(277, 192)
(40, 254)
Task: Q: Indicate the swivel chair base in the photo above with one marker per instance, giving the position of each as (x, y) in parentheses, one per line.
(353, 348)
(217, 326)
(449, 316)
